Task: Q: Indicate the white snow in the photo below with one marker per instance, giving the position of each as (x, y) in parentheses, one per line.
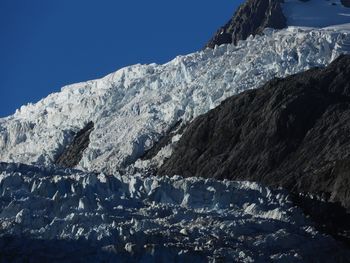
(47, 212)
(315, 13)
(133, 107)
(71, 215)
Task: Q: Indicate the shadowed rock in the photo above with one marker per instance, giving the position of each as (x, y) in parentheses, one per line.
(251, 18)
(293, 133)
(73, 153)
(163, 141)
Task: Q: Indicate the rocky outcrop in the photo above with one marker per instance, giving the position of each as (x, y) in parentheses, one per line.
(73, 153)
(251, 18)
(292, 132)
(328, 217)
(163, 141)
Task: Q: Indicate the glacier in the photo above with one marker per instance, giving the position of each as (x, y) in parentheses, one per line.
(111, 208)
(135, 106)
(69, 215)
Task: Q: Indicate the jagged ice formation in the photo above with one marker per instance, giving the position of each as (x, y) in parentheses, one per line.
(135, 106)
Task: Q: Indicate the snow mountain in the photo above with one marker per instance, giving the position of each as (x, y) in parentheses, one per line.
(133, 108)
(77, 168)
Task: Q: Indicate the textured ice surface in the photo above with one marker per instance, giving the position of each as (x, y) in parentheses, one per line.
(134, 106)
(46, 213)
(315, 13)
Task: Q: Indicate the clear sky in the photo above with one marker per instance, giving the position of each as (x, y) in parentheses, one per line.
(46, 44)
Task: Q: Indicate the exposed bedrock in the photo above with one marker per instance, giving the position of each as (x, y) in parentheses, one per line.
(73, 152)
(329, 217)
(163, 141)
(292, 132)
(251, 18)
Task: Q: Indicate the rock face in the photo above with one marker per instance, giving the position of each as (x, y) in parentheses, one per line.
(251, 18)
(72, 155)
(293, 132)
(163, 141)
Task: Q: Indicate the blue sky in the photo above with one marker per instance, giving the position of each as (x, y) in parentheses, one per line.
(46, 44)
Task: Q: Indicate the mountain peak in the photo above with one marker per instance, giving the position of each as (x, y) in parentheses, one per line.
(253, 16)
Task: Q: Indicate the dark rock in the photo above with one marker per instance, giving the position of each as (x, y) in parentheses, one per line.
(163, 141)
(292, 132)
(345, 3)
(25, 249)
(73, 153)
(251, 18)
(329, 217)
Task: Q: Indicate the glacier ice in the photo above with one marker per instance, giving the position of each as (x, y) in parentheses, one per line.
(133, 107)
(50, 213)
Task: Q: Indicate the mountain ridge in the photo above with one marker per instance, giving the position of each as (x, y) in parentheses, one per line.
(254, 16)
(134, 107)
(251, 18)
(292, 133)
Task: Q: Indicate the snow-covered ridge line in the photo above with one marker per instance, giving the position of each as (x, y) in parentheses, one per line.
(152, 217)
(134, 106)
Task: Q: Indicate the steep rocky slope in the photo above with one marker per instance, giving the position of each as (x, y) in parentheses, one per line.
(293, 132)
(251, 18)
(73, 152)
